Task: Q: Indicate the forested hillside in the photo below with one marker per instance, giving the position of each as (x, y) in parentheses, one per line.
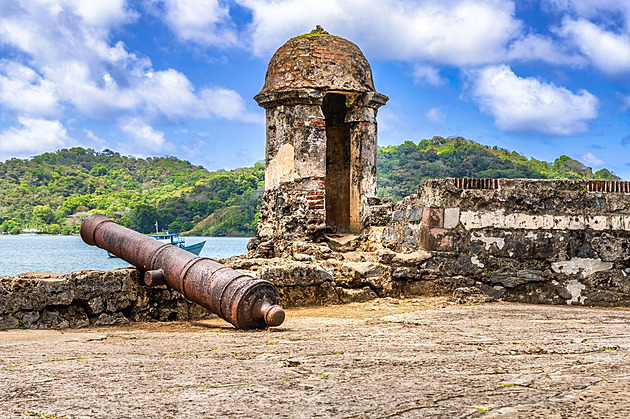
(400, 168)
(54, 192)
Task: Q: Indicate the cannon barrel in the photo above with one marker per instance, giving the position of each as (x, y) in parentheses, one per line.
(244, 301)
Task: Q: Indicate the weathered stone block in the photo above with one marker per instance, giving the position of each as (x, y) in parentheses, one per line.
(435, 239)
(110, 319)
(601, 297)
(414, 215)
(398, 216)
(30, 319)
(54, 320)
(511, 279)
(297, 274)
(355, 273)
(350, 295)
(413, 258)
(433, 218)
(8, 322)
(451, 217)
(308, 296)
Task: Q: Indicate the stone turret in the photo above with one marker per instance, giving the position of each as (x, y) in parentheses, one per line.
(321, 139)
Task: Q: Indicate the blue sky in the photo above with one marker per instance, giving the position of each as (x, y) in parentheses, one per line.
(177, 77)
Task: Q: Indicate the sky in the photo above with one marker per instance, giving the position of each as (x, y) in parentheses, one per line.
(177, 77)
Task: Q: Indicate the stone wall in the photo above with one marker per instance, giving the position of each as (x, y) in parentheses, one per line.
(289, 211)
(543, 241)
(88, 298)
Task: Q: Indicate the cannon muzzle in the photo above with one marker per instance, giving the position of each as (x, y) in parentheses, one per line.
(244, 301)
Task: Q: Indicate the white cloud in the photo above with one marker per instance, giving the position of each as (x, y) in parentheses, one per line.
(435, 115)
(25, 91)
(527, 104)
(102, 13)
(71, 61)
(608, 51)
(456, 32)
(145, 140)
(228, 104)
(537, 47)
(205, 22)
(95, 141)
(34, 136)
(593, 8)
(591, 160)
(428, 74)
(169, 93)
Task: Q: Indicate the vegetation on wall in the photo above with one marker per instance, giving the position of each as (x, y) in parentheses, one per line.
(54, 192)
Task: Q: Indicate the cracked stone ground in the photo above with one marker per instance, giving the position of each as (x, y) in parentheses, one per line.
(384, 358)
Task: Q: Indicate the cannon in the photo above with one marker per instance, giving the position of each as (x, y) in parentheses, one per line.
(244, 301)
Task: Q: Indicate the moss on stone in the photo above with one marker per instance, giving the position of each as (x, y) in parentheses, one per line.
(310, 34)
(318, 31)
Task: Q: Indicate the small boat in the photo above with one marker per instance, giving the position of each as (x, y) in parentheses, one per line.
(175, 240)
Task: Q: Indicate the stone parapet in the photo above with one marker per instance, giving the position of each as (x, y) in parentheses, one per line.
(547, 241)
(88, 298)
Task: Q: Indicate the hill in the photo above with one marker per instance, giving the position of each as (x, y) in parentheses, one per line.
(53, 192)
(400, 168)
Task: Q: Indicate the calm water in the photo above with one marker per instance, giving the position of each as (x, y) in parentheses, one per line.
(65, 254)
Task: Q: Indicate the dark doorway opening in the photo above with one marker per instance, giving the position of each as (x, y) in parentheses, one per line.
(337, 163)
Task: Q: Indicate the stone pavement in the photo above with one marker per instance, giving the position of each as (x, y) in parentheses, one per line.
(383, 358)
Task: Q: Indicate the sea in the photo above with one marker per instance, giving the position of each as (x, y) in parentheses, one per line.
(65, 254)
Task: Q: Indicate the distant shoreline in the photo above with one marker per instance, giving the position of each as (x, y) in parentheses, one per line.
(69, 235)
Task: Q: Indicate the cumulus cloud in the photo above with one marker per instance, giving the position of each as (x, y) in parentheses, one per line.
(145, 140)
(591, 160)
(103, 14)
(608, 51)
(33, 136)
(537, 47)
(388, 119)
(228, 104)
(169, 93)
(25, 91)
(71, 61)
(94, 140)
(593, 9)
(205, 22)
(435, 115)
(456, 32)
(527, 104)
(450, 32)
(428, 74)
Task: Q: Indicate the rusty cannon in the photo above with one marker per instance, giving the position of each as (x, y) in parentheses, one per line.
(244, 301)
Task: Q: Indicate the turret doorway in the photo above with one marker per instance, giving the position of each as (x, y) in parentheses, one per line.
(337, 182)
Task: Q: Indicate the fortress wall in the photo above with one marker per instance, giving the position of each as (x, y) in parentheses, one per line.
(542, 241)
(534, 241)
(88, 298)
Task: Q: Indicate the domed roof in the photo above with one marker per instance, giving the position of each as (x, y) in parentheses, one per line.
(318, 60)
